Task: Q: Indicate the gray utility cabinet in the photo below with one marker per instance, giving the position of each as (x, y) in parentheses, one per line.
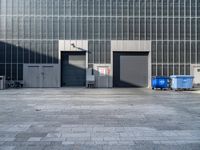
(41, 75)
(102, 74)
(195, 71)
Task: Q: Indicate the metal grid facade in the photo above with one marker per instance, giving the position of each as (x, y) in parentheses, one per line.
(30, 30)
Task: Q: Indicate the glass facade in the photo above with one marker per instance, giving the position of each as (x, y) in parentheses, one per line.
(30, 30)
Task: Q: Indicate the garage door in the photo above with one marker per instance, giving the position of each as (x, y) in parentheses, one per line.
(73, 69)
(130, 69)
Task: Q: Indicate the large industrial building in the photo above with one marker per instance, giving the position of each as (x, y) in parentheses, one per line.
(53, 43)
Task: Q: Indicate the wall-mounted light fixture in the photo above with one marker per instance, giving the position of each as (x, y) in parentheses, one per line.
(73, 45)
(81, 49)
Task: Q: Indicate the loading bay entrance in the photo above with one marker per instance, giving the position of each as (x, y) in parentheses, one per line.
(130, 69)
(73, 69)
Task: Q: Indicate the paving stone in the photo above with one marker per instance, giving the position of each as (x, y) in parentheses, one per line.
(7, 148)
(35, 139)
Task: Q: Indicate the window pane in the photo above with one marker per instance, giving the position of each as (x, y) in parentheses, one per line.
(2, 52)
(187, 52)
(154, 7)
(176, 52)
(119, 29)
(159, 28)
(136, 7)
(142, 7)
(67, 28)
(176, 28)
(2, 27)
(119, 7)
(125, 29)
(193, 53)
(187, 5)
(159, 52)
(136, 29)
(176, 7)
(165, 52)
(148, 7)
(188, 29)
(96, 7)
(3, 7)
(142, 29)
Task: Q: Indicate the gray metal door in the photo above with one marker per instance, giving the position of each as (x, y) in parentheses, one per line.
(41, 75)
(48, 76)
(197, 76)
(130, 69)
(32, 76)
(73, 69)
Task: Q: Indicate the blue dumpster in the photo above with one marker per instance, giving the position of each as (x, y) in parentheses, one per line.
(184, 82)
(160, 82)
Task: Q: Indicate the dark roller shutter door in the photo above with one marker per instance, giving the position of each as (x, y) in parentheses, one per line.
(73, 69)
(130, 69)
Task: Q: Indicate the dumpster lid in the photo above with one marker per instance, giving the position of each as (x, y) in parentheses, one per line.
(182, 76)
(161, 77)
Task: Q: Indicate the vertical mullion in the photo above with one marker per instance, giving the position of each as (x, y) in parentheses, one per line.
(190, 32)
(70, 20)
(173, 37)
(87, 24)
(40, 31)
(93, 33)
(116, 22)
(196, 26)
(29, 16)
(139, 19)
(151, 7)
(64, 22)
(168, 39)
(162, 38)
(128, 18)
(76, 20)
(47, 31)
(184, 37)
(58, 31)
(52, 32)
(99, 38)
(179, 37)
(133, 21)
(145, 20)
(110, 29)
(35, 30)
(105, 36)
(17, 42)
(12, 42)
(81, 20)
(23, 31)
(156, 38)
(5, 40)
(122, 18)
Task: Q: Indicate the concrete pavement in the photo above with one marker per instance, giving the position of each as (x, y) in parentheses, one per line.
(104, 119)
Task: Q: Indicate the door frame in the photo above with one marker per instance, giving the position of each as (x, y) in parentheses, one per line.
(132, 46)
(71, 46)
(125, 53)
(68, 52)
